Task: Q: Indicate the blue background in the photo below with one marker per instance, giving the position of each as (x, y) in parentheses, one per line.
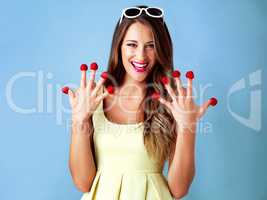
(221, 41)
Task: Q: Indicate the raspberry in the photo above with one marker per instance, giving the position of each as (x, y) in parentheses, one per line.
(110, 89)
(165, 80)
(65, 90)
(93, 66)
(176, 74)
(83, 67)
(213, 101)
(190, 75)
(104, 75)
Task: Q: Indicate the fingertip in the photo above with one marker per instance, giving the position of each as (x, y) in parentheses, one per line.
(94, 66)
(213, 101)
(65, 90)
(176, 74)
(83, 67)
(104, 75)
(165, 80)
(110, 89)
(190, 75)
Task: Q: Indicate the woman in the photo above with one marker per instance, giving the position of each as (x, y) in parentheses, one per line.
(137, 116)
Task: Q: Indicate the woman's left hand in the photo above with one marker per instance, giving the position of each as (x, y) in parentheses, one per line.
(183, 107)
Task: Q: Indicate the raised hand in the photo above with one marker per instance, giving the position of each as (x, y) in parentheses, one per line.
(85, 99)
(183, 108)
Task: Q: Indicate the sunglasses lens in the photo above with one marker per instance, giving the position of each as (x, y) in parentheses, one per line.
(131, 12)
(154, 11)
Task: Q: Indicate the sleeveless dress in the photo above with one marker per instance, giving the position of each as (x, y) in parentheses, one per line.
(124, 169)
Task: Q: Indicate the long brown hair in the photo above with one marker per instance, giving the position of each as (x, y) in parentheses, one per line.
(159, 124)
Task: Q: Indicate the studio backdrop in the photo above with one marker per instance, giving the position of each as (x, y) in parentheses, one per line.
(43, 43)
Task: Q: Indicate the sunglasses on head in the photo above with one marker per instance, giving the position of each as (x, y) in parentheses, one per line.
(133, 12)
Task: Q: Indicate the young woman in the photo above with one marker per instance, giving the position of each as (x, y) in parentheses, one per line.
(137, 116)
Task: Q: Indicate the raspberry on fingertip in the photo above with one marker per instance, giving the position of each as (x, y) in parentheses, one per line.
(213, 101)
(104, 75)
(110, 89)
(94, 66)
(165, 80)
(176, 74)
(190, 75)
(65, 90)
(83, 67)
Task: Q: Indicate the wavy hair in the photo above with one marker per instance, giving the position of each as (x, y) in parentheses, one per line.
(159, 124)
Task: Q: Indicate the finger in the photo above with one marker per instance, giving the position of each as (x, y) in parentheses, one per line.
(165, 81)
(211, 102)
(189, 88)
(93, 69)
(102, 96)
(203, 108)
(83, 69)
(165, 102)
(91, 81)
(181, 91)
(68, 91)
(99, 84)
(190, 77)
(176, 75)
(71, 96)
(108, 91)
(181, 96)
(156, 96)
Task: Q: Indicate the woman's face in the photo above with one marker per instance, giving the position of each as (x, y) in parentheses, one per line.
(138, 52)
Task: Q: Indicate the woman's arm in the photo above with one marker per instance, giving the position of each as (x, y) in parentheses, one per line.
(84, 101)
(182, 163)
(81, 160)
(186, 114)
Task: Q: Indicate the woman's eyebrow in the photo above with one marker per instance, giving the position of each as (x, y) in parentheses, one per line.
(137, 42)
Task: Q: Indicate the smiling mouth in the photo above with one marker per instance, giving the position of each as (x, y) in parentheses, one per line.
(139, 67)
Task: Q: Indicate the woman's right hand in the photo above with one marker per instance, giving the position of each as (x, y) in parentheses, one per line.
(85, 99)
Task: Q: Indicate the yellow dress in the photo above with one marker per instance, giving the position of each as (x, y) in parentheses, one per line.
(124, 169)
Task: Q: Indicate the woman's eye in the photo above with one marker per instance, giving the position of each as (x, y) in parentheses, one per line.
(131, 45)
(150, 45)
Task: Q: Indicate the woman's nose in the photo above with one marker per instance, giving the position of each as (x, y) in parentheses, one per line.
(141, 53)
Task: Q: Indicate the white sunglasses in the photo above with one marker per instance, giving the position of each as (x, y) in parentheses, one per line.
(133, 12)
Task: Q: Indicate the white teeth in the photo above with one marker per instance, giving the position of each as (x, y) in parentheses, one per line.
(139, 65)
